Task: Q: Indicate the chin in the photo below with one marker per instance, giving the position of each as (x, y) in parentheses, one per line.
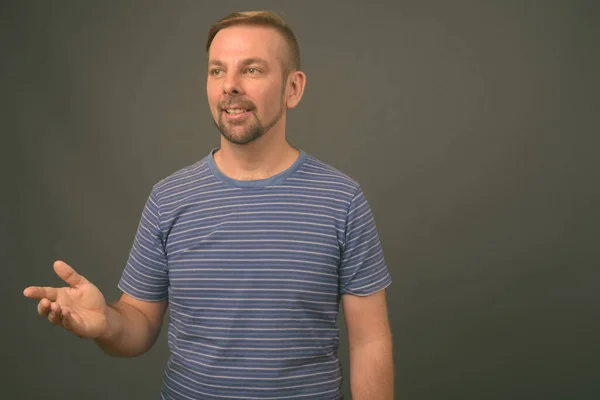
(240, 135)
(240, 140)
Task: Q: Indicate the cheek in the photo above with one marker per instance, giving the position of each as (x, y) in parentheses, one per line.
(212, 93)
(271, 99)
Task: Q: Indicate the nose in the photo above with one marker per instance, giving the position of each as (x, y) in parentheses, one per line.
(232, 85)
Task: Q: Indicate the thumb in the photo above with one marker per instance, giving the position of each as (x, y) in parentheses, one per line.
(68, 274)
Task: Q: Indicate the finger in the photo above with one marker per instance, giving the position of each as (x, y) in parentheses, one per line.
(39, 292)
(44, 307)
(67, 323)
(68, 274)
(55, 314)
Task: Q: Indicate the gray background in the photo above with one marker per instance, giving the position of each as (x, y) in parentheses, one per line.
(471, 126)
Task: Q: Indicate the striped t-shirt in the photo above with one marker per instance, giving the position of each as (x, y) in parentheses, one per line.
(253, 272)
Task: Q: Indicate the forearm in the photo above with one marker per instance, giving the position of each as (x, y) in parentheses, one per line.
(129, 332)
(372, 370)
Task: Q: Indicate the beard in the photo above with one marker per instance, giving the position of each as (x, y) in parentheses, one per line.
(244, 132)
(236, 133)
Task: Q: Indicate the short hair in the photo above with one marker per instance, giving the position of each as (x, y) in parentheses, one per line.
(261, 18)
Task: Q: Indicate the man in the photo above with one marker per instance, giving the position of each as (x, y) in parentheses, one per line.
(251, 248)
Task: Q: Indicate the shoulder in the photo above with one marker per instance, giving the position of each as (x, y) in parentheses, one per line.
(318, 170)
(182, 178)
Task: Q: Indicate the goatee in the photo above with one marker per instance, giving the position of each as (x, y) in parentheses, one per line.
(252, 132)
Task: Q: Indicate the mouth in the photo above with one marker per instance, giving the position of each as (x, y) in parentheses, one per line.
(235, 111)
(235, 114)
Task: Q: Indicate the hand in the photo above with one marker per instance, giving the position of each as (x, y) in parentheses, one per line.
(79, 308)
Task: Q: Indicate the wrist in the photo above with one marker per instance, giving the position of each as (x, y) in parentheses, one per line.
(111, 329)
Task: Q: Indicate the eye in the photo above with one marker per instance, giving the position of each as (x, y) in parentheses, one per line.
(215, 71)
(252, 71)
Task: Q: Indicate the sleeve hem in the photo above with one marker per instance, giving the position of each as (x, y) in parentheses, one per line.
(368, 293)
(128, 293)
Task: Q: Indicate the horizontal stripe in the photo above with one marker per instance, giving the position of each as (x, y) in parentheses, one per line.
(253, 273)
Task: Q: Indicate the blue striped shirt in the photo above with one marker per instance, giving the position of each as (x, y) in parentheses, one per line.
(253, 272)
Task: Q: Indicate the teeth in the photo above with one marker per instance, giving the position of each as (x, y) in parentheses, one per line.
(235, 110)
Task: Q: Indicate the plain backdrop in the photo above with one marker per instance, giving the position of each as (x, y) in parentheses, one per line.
(471, 125)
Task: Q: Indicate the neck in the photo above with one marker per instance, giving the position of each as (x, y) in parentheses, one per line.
(261, 159)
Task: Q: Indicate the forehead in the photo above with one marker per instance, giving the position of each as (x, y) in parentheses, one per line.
(241, 42)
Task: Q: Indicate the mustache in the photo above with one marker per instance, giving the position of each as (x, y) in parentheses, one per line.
(247, 104)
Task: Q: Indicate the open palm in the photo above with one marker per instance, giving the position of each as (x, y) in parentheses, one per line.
(80, 307)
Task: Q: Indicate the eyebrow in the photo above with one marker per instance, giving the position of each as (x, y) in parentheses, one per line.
(247, 61)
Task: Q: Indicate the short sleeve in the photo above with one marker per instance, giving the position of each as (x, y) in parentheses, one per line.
(363, 270)
(145, 276)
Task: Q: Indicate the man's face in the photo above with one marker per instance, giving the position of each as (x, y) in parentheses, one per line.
(245, 85)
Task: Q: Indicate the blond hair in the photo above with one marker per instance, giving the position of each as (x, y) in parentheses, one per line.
(261, 18)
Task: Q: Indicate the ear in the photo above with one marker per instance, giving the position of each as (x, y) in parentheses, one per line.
(295, 88)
